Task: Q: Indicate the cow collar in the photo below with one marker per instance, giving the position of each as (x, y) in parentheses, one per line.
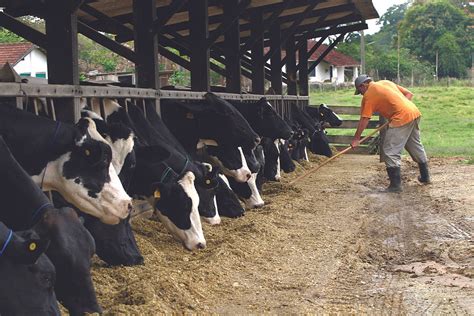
(170, 174)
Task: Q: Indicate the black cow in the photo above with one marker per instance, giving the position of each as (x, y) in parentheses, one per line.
(116, 244)
(324, 114)
(227, 202)
(263, 118)
(27, 275)
(73, 160)
(286, 163)
(213, 118)
(319, 143)
(271, 170)
(163, 176)
(71, 245)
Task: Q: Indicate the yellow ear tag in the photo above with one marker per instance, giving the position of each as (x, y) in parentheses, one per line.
(189, 115)
(157, 194)
(87, 152)
(32, 246)
(208, 181)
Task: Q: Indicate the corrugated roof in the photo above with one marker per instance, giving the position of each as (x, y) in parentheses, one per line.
(14, 52)
(334, 57)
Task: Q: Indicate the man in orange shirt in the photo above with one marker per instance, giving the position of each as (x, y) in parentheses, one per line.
(394, 103)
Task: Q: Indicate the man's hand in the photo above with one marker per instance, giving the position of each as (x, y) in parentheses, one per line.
(355, 142)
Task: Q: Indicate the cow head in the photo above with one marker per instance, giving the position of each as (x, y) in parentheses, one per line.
(267, 122)
(173, 196)
(71, 250)
(231, 161)
(286, 163)
(227, 202)
(272, 159)
(220, 121)
(328, 115)
(27, 289)
(177, 207)
(206, 187)
(86, 178)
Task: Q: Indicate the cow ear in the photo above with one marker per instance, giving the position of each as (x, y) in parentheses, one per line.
(82, 125)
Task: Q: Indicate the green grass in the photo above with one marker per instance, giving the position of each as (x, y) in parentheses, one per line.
(447, 125)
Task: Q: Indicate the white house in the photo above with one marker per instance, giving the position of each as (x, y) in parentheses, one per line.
(27, 59)
(335, 67)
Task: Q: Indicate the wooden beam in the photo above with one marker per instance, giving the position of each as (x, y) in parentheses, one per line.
(232, 10)
(324, 54)
(112, 24)
(267, 24)
(146, 45)
(291, 65)
(290, 31)
(198, 24)
(63, 55)
(105, 41)
(303, 68)
(23, 30)
(275, 62)
(257, 51)
(230, 19)
(165, 16)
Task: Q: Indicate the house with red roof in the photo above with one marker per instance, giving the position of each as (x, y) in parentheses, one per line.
(27, 59)
(335, 67)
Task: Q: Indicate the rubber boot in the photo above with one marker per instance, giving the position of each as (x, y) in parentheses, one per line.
(424, 173)
(395, 179)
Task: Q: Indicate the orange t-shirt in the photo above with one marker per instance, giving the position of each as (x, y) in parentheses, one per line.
(388, 99)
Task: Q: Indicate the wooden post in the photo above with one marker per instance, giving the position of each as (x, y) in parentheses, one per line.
(61, 39)
(275, 61)
(303, 67)
(198, 28)
(291, 65)
(231, 48)
(146, 48)
(257, 53)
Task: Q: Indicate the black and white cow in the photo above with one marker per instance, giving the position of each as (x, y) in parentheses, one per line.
(71, 246)
(227, 201)
(263, 119)
(286, 163)
(324, 114)
(319, 143)
(28, 276)
(163, 176)
(271, 150)
(73, 160)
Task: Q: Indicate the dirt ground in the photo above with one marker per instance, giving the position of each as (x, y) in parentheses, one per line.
(333, 243)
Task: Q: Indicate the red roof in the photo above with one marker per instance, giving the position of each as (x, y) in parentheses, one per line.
(14, 52)
(334, 57)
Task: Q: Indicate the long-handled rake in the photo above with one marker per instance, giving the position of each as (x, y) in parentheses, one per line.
(312, 170)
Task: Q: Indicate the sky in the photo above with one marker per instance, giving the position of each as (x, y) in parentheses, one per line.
(381, 6)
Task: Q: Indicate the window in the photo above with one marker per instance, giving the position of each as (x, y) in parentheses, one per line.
(25, 74)
(40, 75)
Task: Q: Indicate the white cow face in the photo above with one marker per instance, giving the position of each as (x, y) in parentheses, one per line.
(177, 207)
(86, 178)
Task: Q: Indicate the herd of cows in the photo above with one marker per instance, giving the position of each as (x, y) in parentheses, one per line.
(198, 161)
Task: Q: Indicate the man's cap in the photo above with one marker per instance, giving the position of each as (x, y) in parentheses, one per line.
(360, 80)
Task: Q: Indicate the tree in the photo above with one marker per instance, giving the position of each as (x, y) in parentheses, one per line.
(424, 26)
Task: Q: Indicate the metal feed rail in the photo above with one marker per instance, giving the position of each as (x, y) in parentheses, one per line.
(71, 91)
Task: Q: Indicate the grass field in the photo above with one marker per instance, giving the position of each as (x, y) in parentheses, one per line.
(447, 117)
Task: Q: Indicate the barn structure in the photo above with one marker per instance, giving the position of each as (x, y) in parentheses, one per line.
(228, 37)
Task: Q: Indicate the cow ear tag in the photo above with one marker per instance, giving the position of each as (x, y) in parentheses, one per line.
(190, 116)
(32, 246)
(208, 181)
(87, 152)
(157, 194)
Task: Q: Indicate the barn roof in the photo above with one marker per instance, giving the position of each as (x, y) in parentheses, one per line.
(14, 52)
(334, 57)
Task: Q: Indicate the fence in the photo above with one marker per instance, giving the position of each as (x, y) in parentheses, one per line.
(341, 136)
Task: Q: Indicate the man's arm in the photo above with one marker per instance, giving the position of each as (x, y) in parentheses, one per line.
(407, 93)
(363, 122)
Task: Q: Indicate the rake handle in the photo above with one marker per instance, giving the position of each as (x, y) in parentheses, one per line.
(339, 154)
